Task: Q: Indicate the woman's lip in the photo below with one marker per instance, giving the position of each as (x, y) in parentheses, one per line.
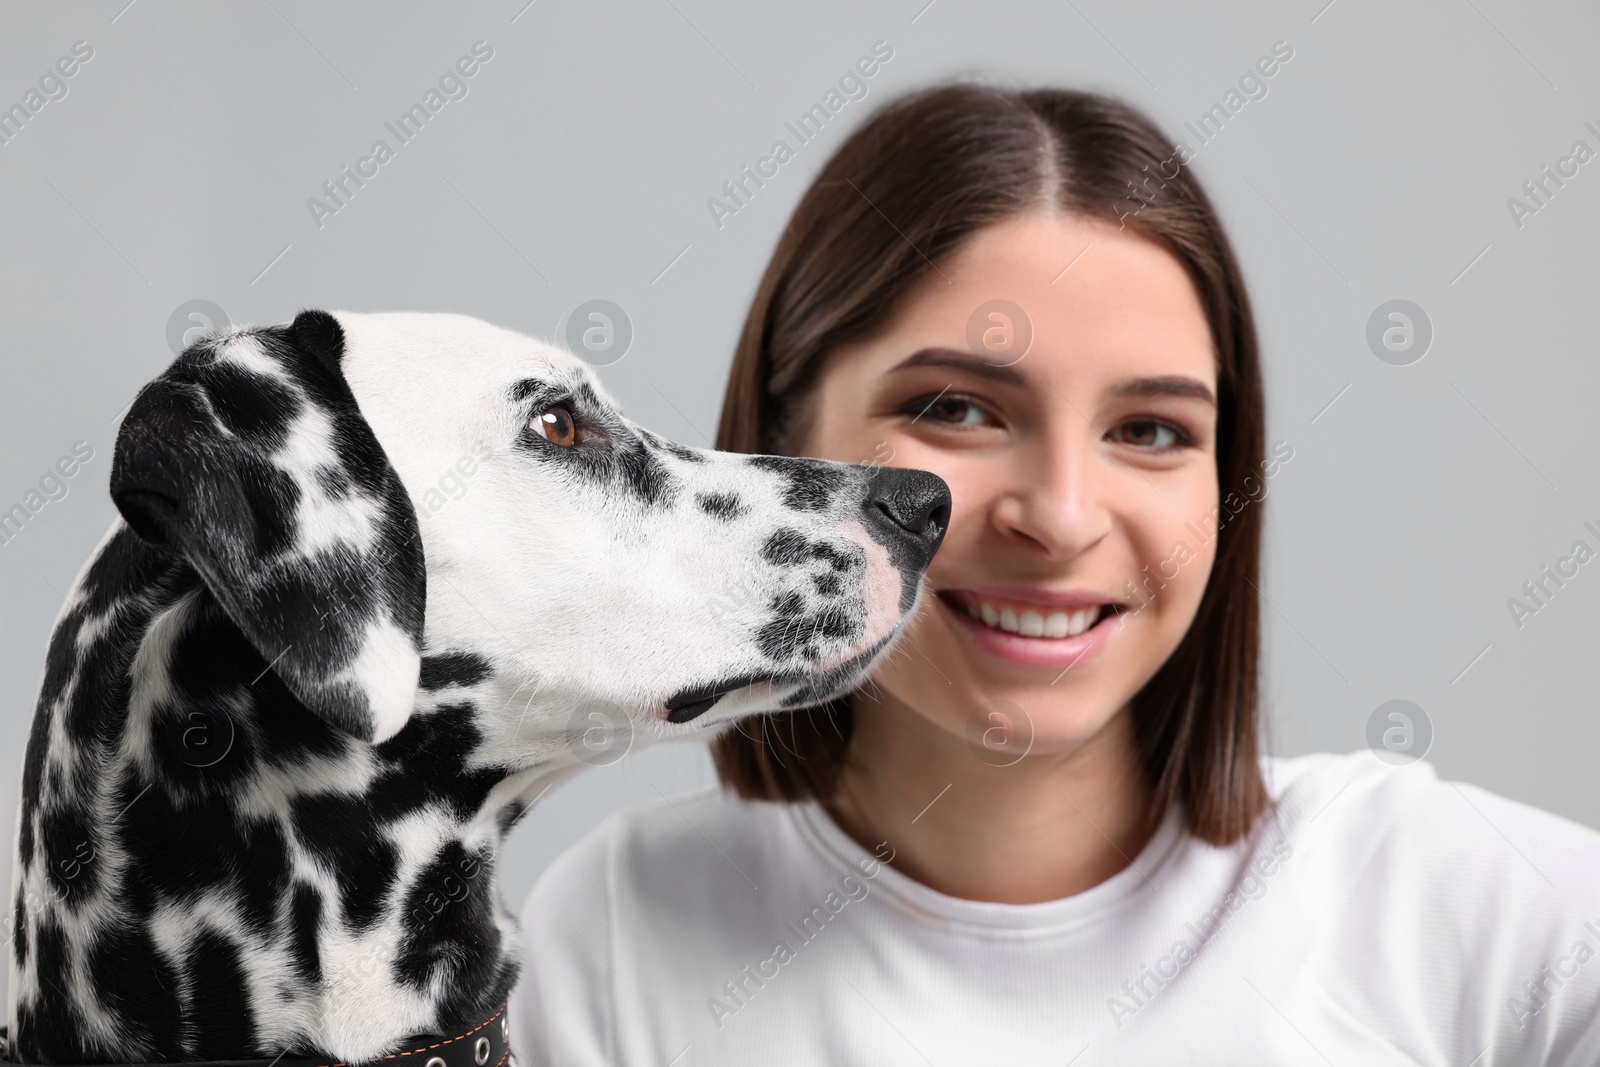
(1055, 653)
(1029, 594)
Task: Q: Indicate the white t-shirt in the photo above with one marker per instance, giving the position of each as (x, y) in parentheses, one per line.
(1384, 917)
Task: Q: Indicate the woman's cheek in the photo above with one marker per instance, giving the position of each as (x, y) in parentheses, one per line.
(1178, 557)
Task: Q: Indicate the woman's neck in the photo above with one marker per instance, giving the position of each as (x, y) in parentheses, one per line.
(1046, 827)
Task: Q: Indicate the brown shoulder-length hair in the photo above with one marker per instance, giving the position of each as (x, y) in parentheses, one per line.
(907, 190)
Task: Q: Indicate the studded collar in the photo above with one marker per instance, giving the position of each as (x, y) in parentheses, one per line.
(488, 1044)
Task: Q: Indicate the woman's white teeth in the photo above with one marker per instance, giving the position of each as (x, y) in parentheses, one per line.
(1032, 624)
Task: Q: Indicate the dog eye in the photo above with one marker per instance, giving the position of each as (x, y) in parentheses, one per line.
(556, 426)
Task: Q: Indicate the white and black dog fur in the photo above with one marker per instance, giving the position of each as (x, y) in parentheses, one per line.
(377, 685)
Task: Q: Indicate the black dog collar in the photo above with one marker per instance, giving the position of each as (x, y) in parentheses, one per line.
(486, 1045)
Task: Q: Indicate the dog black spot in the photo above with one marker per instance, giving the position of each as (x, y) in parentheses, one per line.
(103, 681)
(775, 637)
(826, 684)
(835, 621)
(133, 982)
(179, 835)
(219, 994)
(286, 732)
(843, 561)
(683, 452)
(252, 407)
(720, 505)
(170, 845)
(623, 464)
(350, 842)
(262, 876)
(450, 936)
(213, 665)
(44, 1026)
(827, 584)
(510, 815)
(305, 921)
(492, 977)
(453, 668)
(19, 929)
(33, 780)
(586, 398)
(72, 863)
(128, 567)
(809, 484)
(327, 604)
(793, 633)
(528, 388)
(785, 548)
(334, 481)
(61, 661)
(642, 473)
(426, 763)
(208, 687)
(270, 497)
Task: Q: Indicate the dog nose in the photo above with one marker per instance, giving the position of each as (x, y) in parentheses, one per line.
(910, 508)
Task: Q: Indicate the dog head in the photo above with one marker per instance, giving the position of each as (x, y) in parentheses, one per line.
(416, 513)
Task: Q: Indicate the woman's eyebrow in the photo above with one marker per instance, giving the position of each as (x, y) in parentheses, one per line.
(1168, 385)
(966, 361)
(1161, 385)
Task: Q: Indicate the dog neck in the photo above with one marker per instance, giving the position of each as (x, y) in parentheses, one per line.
(208, 870)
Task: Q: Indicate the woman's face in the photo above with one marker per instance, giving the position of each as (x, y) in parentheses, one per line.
(1083, 474)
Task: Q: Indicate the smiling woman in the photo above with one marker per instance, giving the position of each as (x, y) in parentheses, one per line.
(1143, 346)
(1073, 470)
(1077, 849)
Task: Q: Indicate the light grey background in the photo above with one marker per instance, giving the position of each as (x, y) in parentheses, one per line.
(1419, 498)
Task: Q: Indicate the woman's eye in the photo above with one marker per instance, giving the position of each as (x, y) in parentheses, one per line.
(555, 425)
(950, 410)
(1150, 434)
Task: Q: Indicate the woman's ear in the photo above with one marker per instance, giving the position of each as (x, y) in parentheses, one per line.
(250, 457)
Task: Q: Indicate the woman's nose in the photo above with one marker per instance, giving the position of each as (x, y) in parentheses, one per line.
(1053, 503)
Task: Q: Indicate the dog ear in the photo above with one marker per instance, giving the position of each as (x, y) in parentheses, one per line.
(250, 457)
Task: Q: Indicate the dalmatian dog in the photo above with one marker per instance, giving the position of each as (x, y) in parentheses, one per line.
(304, 686)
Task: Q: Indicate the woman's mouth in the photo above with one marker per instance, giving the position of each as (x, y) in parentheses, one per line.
(1035, 632)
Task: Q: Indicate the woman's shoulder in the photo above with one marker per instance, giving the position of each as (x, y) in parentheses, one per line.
(1436, 907)
(1381, 833)
(663, 849)
(1361, 789)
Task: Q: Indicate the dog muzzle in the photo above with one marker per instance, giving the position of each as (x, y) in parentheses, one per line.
(487, 1044)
